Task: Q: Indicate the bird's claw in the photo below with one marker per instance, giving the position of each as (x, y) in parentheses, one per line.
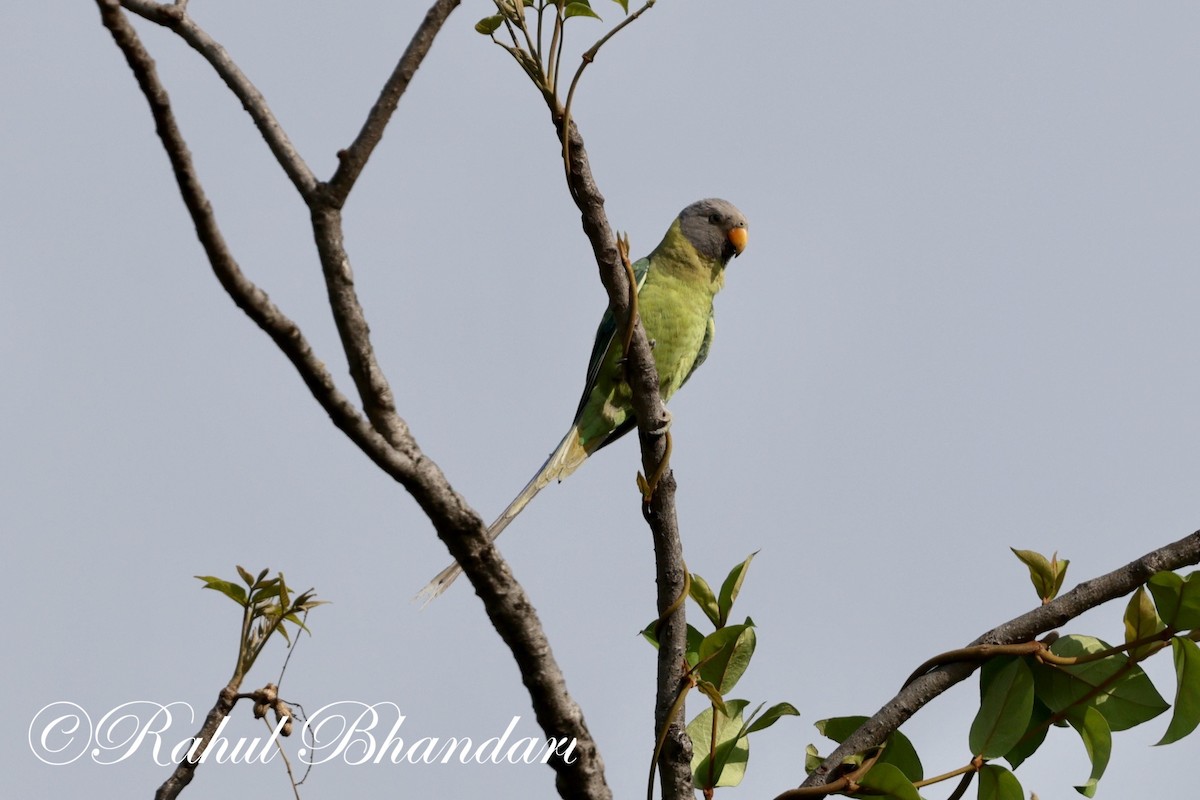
(661, 430)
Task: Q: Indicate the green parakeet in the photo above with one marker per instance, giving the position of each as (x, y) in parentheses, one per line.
(676, 285)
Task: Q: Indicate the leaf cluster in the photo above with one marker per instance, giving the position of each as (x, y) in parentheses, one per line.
(892, 769)
(513, 11)
(533, 33)
(716, 662)
(1074, 681)
(1047, 574)
(267, 604)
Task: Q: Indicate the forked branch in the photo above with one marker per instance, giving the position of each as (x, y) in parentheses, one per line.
(381, 433)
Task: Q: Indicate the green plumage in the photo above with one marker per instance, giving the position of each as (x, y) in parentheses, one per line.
(676, 286)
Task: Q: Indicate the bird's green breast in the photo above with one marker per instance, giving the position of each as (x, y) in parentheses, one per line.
(675, 312)
(675, 304)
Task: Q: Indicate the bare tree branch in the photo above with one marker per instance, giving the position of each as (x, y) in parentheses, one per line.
(385, 439)
(185, 770)
(373, 388)
(324, 200)
(1054, 614)
(354, 157)
(245, 294)
(175, 17)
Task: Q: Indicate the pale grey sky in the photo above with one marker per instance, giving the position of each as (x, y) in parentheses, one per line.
(966, 320)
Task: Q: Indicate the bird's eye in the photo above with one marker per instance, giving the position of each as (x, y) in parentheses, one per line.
(714, 218)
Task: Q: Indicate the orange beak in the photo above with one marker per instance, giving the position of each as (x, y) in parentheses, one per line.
(738, 238)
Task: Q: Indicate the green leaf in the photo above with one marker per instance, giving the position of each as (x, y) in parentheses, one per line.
(233, 591)
(1141, 620)
(1006, 686)
(1126, 701)
(308, 601)
(731, 587)
(898, 750)
(624, 4)
(1046, 574)
(1097, 740)
(650, 634)
(299, 623)
(812, 758)
(1177, 598)
(1060, 574)
(580, 8)
(692, 652)
(268, 592)
(489, 25)
(839, 728)
(725, 764)
(725, 655)
(703, 595)
(1031, 740)
(694, 638)
(772, 715)
(245, 575)
(713, 694)
(1187, 693)
(887, 780)
(997, 783)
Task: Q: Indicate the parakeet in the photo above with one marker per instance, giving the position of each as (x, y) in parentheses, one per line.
(676, 284)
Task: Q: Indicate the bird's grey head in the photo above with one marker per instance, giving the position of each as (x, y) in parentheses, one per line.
(715, 228)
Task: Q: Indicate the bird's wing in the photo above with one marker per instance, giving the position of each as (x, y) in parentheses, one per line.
(604, 338)
(709, 330)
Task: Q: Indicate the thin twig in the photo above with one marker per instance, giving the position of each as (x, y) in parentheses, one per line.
(175, 18)
(290, 650)
(530, 48)
(354, 158)
(287, 762)
(588, 57)
(541, 10)
(552, 65)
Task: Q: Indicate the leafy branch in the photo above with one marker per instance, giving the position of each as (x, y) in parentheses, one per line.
(527, 48)
(1027, 688)
(268, 607)
(716, 662)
